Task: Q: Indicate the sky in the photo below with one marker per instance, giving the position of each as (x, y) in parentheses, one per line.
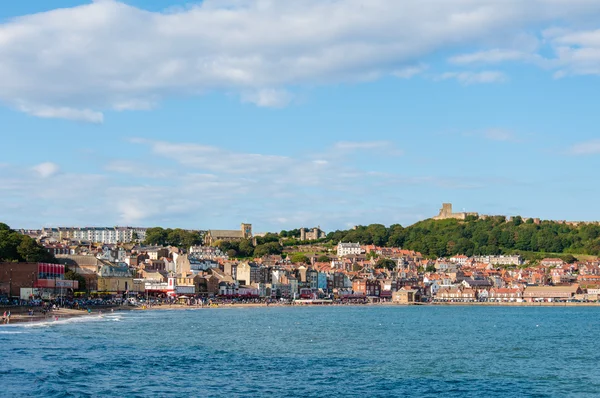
(289, 114)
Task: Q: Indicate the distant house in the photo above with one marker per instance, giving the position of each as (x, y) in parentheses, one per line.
(115, 279)
(500, 260)
(552, 262)
(406, 296)
(247, 273)
(344, 249)
(459, 259)
(477, 283)
(456, 294)
(505, 294)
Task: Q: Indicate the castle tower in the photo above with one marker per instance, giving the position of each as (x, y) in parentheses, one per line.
(247, 231)
(446, 209)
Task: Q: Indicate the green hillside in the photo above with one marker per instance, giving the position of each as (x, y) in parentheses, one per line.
(479, 236)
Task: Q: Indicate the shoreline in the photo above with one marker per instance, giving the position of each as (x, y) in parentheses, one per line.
(65, 313)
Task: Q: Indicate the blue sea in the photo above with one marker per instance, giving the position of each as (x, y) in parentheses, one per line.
(308, 352)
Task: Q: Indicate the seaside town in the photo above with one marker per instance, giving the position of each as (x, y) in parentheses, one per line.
(112, 265)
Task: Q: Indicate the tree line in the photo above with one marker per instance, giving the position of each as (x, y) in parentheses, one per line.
(245, 248)
(15, 247)
(476, 236)
(172, 237)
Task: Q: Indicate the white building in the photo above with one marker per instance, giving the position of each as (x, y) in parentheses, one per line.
(106, 235)
(460, 259)
(344, 249)
(500, 260)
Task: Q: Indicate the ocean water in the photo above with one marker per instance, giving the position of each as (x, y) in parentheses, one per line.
(308, 352)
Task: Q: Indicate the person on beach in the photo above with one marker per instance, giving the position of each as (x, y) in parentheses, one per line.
(8, 317)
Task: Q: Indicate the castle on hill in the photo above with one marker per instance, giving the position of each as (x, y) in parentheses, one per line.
(446, 213)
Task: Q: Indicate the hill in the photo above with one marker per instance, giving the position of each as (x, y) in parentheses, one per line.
(476, 236)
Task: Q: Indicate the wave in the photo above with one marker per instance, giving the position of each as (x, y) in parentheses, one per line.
(69, 320)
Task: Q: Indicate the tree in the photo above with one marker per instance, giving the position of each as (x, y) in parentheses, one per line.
(385, 263)
(9, 241)
(269, 237)
(372, 255)
(156, 236)
(17, 247)
(30, 251)
(268, 248)
(74, 276)
(300, 258)
(323, 259)
(246, 248)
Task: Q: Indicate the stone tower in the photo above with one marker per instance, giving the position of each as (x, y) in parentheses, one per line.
(446, 210)
(247, 231)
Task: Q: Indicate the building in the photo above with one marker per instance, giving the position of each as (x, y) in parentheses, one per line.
(459, 259)
(106, 235)
(344, 249)
(459, 294)
(38, 279)
(447, 213)
(406, 296)
(215, 235)
(550, 293)
(552, 262)
(115, 279)
(505, 294)
(312, 234)
(206, 252)
(247, 273)
(500, 260)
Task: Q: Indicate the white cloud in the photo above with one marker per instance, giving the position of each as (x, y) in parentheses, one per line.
(361, 145)
(500, 135)
(215, 159)
(591, 147)
(77, 62)
(491, 57)
(408, 72)
(576, 52)
(202, 186)
(269, 98)
(469, 78)
(49, 112)
(47, 169)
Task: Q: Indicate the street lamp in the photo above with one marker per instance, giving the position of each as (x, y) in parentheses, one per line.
(32, 284)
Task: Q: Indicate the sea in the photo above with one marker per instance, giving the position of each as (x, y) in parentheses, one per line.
(335, 351)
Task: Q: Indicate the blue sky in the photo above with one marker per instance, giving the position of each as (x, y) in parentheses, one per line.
(291, 114)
